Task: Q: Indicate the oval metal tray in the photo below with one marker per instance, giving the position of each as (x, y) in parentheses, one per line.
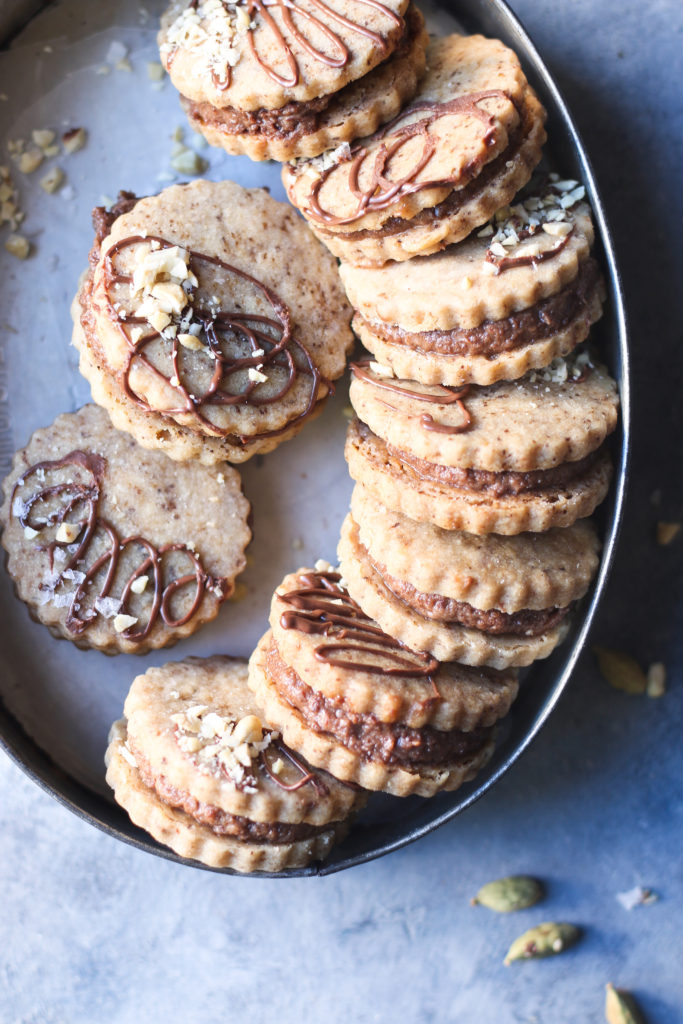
(389, 823)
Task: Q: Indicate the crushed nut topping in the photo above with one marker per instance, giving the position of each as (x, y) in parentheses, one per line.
(570, 368)
(212, 28)
(222, 746)
(545, 213)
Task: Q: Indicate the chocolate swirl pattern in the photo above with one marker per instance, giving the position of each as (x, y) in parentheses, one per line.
(316, 21)
(439, 395)
(234, 342)
(381, 191)
(320, 606)
(306, 775)
(75, 502)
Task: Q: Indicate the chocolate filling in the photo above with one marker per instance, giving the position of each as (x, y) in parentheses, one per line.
(296, 119)
(493, 337)
(455, 200)
(218, 820)
(446, 609)
(497, 485)
(364, 734)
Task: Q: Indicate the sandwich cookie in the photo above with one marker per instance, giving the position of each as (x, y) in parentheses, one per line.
(460, 151)
(362, 705)
(115, 547)
(517, 456)
(281, 81)
(194, 765)
(509, 299)
(210, 325)
(482, 600)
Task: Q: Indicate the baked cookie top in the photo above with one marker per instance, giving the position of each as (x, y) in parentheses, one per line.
(257, 54)
(559, 414)
(193, 727)
(531, 250)
(464, 115)
(328, 641)
(114, 546)
(530, 570)
(213, 306)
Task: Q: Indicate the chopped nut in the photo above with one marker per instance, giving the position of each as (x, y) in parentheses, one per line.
(248, 730)
(158, 319)
(123, 622)
(381, 370)
(30, 533)
(30, 161)
(256, 375)
(51, 151)
(139, 585)
(53, 180)
(74, 139)
(43, 137)
(656, 679)
(277, 766)
(18, 246)
(666, 532)
(155, 71)
(560, 229)
(348, 412)
(322, 565)
(190, 341)
(188, 162)
(170, 296)
(67, 532)
(123, 65)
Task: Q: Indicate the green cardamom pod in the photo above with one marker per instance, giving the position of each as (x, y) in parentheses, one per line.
(546, 939)
(621, 670)
(516, 892)
(621, 1007)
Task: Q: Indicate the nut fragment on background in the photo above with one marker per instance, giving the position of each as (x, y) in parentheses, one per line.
(186, 161)
(43, 137)
(74, 140)
(620, 670)
(656, 679)
(18, 246)
(621, 1007)
(30, 160)
(155, 71)
(666, 532)
(53, 180)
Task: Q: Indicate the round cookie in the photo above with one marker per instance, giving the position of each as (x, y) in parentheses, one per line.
(514, 457)
(363, 706)
(307, 129)
(511, 298)
(199, 326)
(114, 547)
(391, 603)
(193, 764)
(459, 152)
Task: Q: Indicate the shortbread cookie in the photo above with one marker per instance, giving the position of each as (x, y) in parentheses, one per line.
(459, 152)
(294, 129)
(511, 298)
(513, 457)
(115, 547)
(363, 706)
(208, 326)
(449, 629)
(195, 766)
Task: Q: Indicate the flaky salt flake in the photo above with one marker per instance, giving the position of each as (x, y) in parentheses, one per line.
(636, 897)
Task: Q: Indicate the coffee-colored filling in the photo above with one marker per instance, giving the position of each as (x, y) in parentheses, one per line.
(296, 119)
(364, 734)
(497, 485)
(219, 821)
(445, 609)
(493, 337)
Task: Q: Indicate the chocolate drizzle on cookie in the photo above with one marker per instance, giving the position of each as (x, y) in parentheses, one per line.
(307, 775)
(381, 191)
(267, 340)
(502, 263)
(439, 395)
(77, 513)
(259, 14)
(320, 606)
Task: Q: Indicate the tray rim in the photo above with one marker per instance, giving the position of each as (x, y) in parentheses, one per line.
(88, 804)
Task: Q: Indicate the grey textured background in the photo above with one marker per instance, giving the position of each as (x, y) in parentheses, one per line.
(93, 931)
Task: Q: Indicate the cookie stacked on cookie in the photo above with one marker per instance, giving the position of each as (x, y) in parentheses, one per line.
(281, 81)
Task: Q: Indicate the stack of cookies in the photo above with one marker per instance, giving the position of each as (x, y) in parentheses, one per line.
(478, 444)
